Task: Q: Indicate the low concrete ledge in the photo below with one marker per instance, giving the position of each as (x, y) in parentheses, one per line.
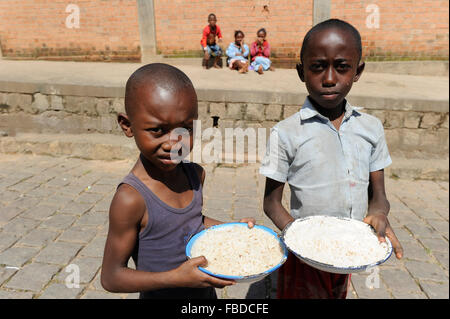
(62, 89)
(232, 96)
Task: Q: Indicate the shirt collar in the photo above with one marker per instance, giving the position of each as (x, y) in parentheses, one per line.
(308, 110)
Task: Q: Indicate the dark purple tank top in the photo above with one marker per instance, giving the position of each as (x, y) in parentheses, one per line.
(161, 244)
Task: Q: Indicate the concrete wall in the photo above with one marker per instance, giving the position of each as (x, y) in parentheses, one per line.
(412, 130)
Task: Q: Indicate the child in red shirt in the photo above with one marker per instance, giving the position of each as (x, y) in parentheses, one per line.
(211, 28)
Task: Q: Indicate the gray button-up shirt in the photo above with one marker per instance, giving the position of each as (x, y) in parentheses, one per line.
(327, 170)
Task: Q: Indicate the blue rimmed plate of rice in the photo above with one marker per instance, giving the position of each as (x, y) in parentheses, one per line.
(236, 252)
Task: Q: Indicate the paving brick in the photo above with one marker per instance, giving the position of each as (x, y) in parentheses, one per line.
(89, 198)
(58, 221)
(408, 295)
(23, 187)
(93, 218)
(32, 277)
(38, 237)
(78, 234)
(399, 280)
(402, 234)
(103, 205)
(20, 226)
(94, 294)
(71, 190)
(59, 200)
(95, 247)
(60, 291)
(8, 239)
(435, 290)
(442, 258)
(237, 291)
(58, 253)
(8, 294)
(88, 268)
(5, 274)
(8, 196)
(100, 189)
(426, 271)
(75, 208)
(222, 205)
(370, 286)
(41, 192)
(435, 244)
(39, 212)
(415, 251)
(218, 214)
(58, 182)
(422, 231)
(440, 225)
(8, 213)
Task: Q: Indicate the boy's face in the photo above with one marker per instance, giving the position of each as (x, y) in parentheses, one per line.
(330, 66)
(261, 36)
(158, 116)
(239, 38)
(212, 21)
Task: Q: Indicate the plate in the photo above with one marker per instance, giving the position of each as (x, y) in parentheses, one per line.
(247, 278)
(331, 268)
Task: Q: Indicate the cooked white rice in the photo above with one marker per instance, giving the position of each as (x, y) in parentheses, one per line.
(336, 242)
(237, 250)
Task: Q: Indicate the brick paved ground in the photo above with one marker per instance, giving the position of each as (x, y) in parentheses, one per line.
(54, 213)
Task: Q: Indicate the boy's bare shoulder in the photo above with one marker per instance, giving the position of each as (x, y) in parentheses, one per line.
(128, 203)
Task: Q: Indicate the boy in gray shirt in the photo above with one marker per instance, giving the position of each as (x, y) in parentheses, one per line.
(329, 153)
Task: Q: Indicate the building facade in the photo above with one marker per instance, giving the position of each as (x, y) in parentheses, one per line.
(132, 30)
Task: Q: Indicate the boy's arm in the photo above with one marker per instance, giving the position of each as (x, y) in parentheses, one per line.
(126, 212)
(219, 34)
(378, 211)
(273, 207)
(246, 51)
(204, 37)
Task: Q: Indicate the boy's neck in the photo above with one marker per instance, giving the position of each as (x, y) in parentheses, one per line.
(332, 114)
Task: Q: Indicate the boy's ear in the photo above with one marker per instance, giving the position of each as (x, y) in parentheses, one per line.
(125, 124)
(359, 71)
(300, 72)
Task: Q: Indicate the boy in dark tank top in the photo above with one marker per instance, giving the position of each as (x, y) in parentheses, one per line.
(158, 206)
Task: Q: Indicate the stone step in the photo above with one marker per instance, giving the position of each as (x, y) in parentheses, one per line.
(117, 147)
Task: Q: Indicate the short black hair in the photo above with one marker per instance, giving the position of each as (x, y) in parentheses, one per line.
(237, 32)
(330, 24)
(157, 74)
(261, 30)
(212, 15)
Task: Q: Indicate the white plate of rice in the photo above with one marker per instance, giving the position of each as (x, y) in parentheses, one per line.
(235, 251)
(335, 244)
